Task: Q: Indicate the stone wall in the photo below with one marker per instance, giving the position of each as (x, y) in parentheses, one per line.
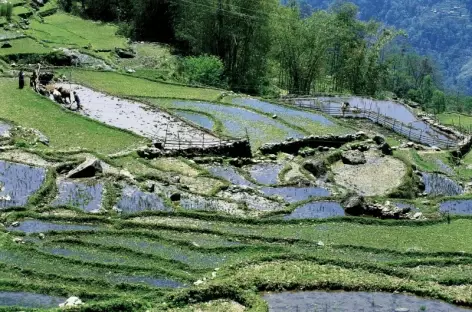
(235, 149)
(463, 147)
(293, 146)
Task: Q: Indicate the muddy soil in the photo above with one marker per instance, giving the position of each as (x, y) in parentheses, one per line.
(133, 116)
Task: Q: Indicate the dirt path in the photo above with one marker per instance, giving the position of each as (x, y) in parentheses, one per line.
(136, 117)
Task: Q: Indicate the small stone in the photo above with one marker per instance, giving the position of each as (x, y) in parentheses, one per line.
(71, 302)
(42, 236)
(274, 116)
(199, 282)
(402, 310)
(18, 240)
(320, 244)
(15, 224)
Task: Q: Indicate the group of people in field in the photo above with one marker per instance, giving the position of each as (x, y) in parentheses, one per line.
(61, 95)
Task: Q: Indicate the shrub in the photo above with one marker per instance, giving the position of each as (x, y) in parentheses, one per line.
(205, 70)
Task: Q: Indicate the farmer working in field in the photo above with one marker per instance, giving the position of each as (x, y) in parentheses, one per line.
(21, 79)
(77, 100)
(344, 107)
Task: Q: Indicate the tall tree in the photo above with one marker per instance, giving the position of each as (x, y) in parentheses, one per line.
(237, 31)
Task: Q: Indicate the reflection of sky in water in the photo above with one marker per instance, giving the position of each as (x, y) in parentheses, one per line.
(459, 207)
(230, 174)
(134, 200)
(18, 182)
(29, 300)
(391, 109)
(199, 119)
(266, 173)
(36, 226)
(437, 184)
(236, 120)
(280, 110)
(295, 194)
(353, 302)
(317, 210)
(80, 195)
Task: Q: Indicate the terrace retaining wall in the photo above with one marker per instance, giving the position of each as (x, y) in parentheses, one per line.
(233, 149)
(294, 146)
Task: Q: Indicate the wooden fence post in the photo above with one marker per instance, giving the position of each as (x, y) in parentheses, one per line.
(165, 138)
(178, 138)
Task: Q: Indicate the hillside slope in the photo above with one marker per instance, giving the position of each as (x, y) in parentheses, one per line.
(441, 28)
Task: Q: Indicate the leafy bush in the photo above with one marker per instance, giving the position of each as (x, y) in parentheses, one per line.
(205, 70)
(6, 10)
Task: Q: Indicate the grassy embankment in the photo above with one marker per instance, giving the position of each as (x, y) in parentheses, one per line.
(64, 129)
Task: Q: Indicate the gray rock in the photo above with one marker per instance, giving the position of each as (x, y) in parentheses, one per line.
(87, 169)
(6, 45)
(123, 53)
(379, 139)
(353, 157)
(386, 149)
(315, 167)
(175, 197)
(354, 205)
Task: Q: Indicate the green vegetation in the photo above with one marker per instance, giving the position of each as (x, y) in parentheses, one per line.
(123, 85)
(64, 30)
(24, 46)
(64, 129)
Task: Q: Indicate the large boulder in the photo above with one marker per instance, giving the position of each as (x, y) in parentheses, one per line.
(315, 167)
(353, 157)
(378, 139)
(125, 53)
(386, 149)
(354, 205)
(87, 169)
(45, 77)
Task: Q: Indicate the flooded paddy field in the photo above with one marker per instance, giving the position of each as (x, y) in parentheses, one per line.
(440, 185)
(86, 196)
(133, 116)
(354, 302)
(134, 200)
(38, 226)
(266, 173)
(456, 207)
(317, 210)
(294, 194)
(29, 300)
(18, 182)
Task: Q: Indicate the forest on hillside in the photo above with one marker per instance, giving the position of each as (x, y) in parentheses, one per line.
(264, 47)
(439, 28)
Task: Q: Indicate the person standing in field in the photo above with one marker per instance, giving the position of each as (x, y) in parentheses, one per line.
(77, 100)
(21, 79)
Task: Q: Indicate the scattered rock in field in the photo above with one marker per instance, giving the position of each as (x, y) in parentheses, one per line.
(6, 45)
(130, 71)
(199, 282)
(378, 139)
(354, 205)
(274, 116)
(87, 169)
(320, 244)
(353, 157)
(15, 224)
(71, 302)
(386, 149)
(175, 179)
(125, 53)
(315, 167)
(18, 240)
(42, 236)
(435, 148)
(175, 197)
